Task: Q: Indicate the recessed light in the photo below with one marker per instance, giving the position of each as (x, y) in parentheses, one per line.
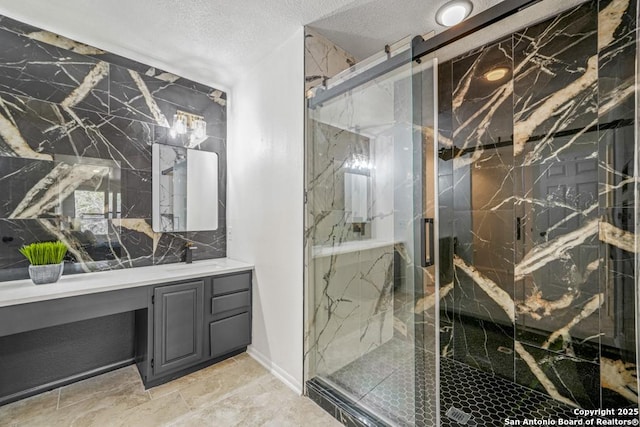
(453, 12)
(496, 74)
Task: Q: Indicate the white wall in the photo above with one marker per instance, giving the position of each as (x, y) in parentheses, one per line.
(265, 201)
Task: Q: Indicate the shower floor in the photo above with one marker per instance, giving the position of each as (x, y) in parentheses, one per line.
(389, 383)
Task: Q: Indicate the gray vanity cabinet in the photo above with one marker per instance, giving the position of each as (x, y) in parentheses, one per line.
(229, 315)
(178, 324)
(193, 324)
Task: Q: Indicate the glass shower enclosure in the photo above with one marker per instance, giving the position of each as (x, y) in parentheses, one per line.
(363, 206)
(471, 247)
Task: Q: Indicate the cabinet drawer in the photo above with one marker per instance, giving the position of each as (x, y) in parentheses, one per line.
(226, 305)
(230, 334)
(233, 283)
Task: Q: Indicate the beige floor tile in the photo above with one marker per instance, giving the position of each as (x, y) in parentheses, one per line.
(302, 412)
(297, 411)
(158, 412)
(182, 382)
(224, 381)
(96, 410)
(40, 405)
(269, 404)
(85, 389)
(241, 356)
(236, 392)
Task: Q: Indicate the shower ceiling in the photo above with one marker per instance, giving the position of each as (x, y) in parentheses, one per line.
(213, 42)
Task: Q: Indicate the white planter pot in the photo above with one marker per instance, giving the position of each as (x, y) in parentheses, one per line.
(43, 274)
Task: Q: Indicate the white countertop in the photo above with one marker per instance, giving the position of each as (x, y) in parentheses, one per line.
(24, 291)
(347, 247)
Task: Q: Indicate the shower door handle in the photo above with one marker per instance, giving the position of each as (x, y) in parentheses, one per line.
(427, 245)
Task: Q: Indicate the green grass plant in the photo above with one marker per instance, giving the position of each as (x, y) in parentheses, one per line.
(44, 253)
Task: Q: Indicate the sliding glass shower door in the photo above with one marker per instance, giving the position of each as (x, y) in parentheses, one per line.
(369, 293)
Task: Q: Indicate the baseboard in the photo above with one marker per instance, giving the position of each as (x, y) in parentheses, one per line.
(64, 381)
(275, 370)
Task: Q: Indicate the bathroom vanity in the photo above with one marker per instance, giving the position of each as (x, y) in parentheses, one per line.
(185, 316)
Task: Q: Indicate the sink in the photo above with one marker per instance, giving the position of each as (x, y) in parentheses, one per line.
(183, 266)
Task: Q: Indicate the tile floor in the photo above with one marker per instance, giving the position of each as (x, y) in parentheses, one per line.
(389, 381)
(235, 392)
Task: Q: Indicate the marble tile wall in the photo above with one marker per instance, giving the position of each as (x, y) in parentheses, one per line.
(334, 149)
(322, 59)
(76, 129)
(536, 174)
(353, 310)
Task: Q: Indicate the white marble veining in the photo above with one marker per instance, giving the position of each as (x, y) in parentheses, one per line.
(24, 291)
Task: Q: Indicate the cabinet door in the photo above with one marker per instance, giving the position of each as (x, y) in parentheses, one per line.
(178, 321)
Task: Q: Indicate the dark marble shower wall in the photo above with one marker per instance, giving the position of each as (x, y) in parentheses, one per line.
(76, 129)
(537, 206)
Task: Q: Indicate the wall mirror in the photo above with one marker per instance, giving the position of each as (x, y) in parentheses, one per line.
(185, 189)
(356, 197)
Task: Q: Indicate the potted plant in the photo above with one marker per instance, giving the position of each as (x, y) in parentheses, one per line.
(46, 260)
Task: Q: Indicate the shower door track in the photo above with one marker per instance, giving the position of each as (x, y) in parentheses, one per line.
(421, 47)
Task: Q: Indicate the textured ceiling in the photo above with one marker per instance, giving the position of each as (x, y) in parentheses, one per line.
(214, 42)
(207, 41)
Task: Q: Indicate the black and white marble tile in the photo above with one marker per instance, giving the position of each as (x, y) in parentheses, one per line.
(616, 64)
(353, 310)
(484, 345)
(137, 96)
(137, 242)
(445, 118)
(65, 126)
(19, 178)
(209, 244)
(322, 59)
(94, 245)
(555, 88)
(38, 70)
(483, 109)
(15, 233)
(572, 381)
(483, 188)
(41, 130)
(616, 166)
(136, 193)
(484, 265)
(567, 197)
(616, 109)
(618, 322)
(56, 40)
(169, 248)
(334, 148)
(618, 381)
(557, 258)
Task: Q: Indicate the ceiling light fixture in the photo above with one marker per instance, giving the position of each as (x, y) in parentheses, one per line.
(453, 12)
(496, 74)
